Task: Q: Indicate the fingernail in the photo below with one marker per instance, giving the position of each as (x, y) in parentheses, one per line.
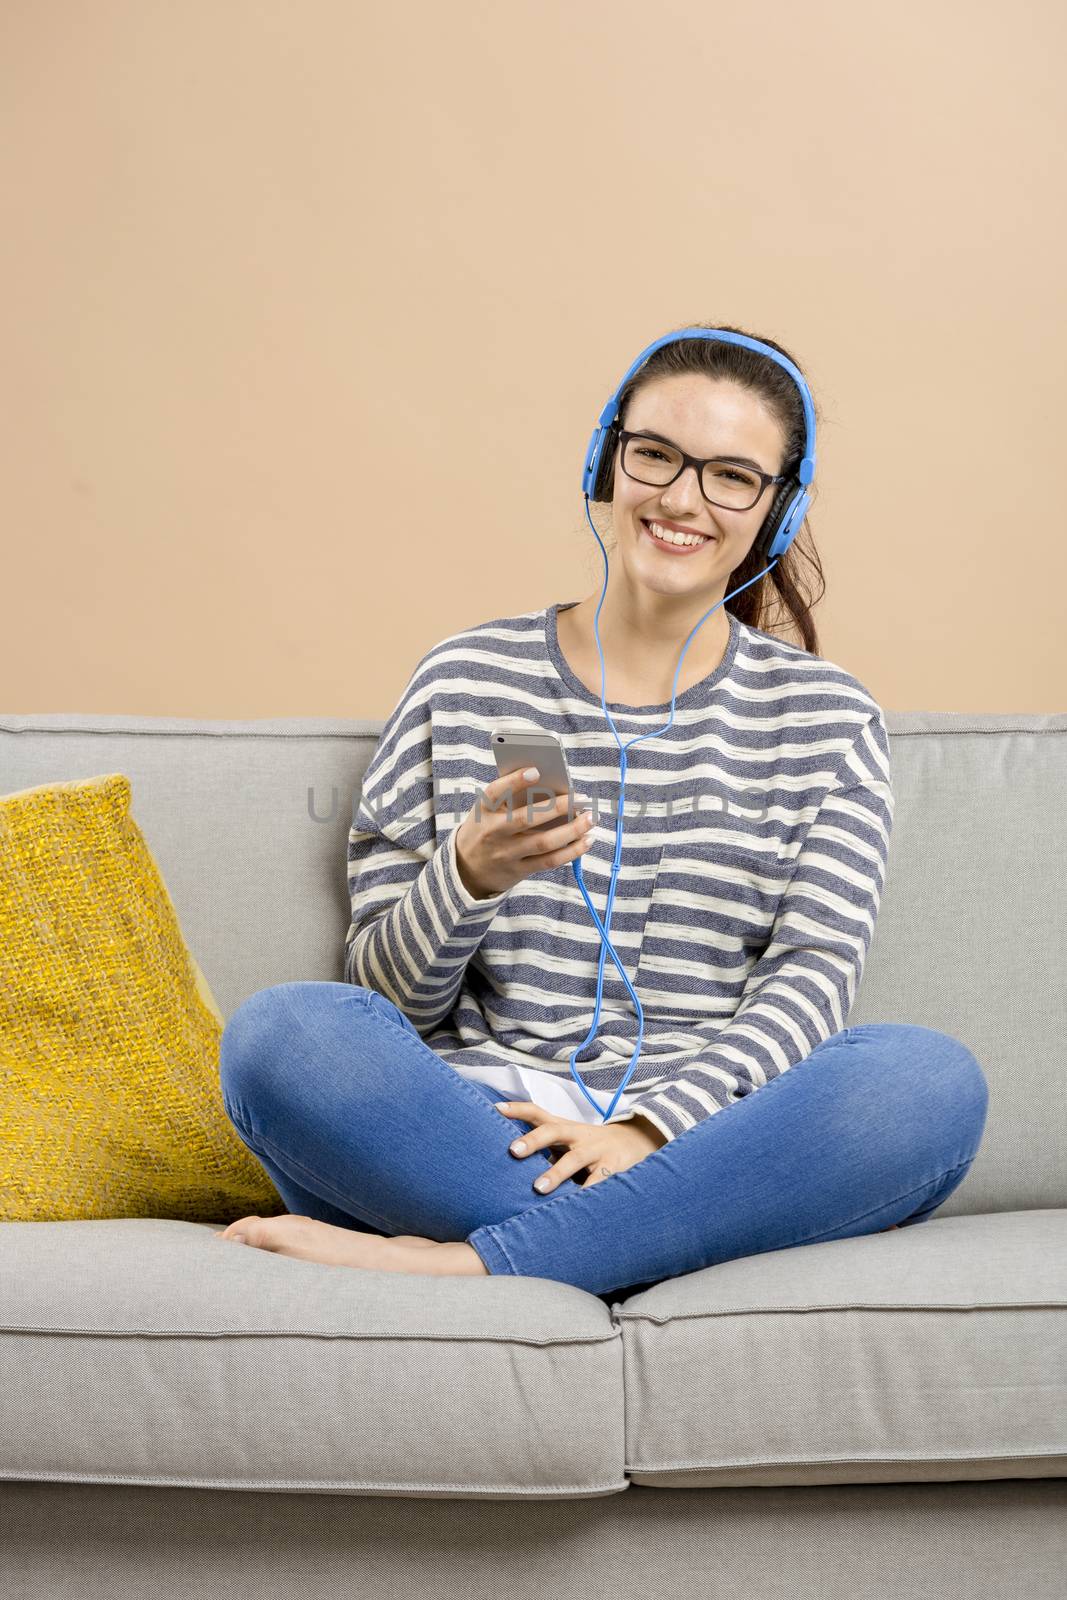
(238, 1238)
(531, 773)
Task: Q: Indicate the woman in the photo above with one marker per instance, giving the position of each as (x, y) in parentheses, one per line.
(757, 815)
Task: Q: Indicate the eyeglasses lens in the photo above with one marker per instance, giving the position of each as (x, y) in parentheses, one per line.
(724, 483)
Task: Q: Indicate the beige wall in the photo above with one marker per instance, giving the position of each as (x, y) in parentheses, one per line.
(309, 310)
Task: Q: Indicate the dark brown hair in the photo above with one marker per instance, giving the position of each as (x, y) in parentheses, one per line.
(784, 585)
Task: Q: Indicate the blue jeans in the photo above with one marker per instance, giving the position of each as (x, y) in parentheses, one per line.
(359, 1123)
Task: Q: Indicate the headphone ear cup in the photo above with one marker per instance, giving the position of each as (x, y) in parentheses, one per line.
(604, 483)
(774, 518)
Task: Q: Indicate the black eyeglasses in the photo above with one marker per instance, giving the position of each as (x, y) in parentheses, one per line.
(723, 482)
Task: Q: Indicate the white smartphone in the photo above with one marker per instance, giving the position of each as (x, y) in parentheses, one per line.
(523, 747)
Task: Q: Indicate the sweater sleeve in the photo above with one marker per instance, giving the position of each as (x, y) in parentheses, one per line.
(799, 993)
(414, 924)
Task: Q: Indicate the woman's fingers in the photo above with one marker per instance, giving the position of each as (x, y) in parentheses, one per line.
(565, 1168)
(547, 1133)
(597, 1175)
(573, 1138)
(524, 1144)
(519, 1109)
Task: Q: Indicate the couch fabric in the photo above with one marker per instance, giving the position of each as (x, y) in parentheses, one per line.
(854, 1396)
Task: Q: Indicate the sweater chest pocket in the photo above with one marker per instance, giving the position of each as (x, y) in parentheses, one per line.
(712, 910)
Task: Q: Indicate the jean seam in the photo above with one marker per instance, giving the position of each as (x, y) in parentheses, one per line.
(948, 1173)
(273, 1153)
(554, 1199)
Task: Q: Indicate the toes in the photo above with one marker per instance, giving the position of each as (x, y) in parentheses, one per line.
(241, 1231)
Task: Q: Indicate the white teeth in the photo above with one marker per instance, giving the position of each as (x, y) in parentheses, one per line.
(669, 536)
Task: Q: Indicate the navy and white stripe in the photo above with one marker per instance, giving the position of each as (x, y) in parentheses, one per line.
(755, 846)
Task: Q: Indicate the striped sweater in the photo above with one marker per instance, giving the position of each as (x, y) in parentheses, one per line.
(755, 843)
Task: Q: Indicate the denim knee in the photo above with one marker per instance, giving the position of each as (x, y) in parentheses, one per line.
(250, 1036)
(246, 1037)
(949, 1066)
(973, 1088)
(960, 1069)
(956, 1068)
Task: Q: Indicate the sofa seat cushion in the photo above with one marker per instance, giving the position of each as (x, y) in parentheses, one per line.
(934, 1352)
(147, 1352)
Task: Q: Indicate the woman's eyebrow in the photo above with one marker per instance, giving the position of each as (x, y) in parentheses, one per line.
(742, 461)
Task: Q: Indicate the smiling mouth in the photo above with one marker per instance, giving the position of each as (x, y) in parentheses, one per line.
(685, 548)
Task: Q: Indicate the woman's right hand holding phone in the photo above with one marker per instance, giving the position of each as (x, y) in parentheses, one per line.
(501, 846)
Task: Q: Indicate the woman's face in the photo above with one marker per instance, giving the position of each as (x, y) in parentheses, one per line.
(704, 417)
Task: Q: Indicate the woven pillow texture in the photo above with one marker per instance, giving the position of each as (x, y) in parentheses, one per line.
(110, 1104)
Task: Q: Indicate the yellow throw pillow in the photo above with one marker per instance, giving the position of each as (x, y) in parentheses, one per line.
(110, 1104)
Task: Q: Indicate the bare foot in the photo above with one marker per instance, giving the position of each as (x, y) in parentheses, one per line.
(310, 1240)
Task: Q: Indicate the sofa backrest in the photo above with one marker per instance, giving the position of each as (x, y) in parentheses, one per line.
(249, 822)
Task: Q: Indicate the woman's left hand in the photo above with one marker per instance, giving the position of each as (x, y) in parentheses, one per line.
(604, 1147)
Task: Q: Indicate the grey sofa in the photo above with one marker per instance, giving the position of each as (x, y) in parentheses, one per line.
(873, 1416)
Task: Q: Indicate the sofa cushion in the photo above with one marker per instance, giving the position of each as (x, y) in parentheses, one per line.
(110, 1103)
(938, 1351)
(146, 1352)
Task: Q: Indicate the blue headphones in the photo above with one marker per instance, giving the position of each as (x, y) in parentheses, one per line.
(779, 529)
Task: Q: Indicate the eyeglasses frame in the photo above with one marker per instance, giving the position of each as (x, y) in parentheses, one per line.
(692, 461)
